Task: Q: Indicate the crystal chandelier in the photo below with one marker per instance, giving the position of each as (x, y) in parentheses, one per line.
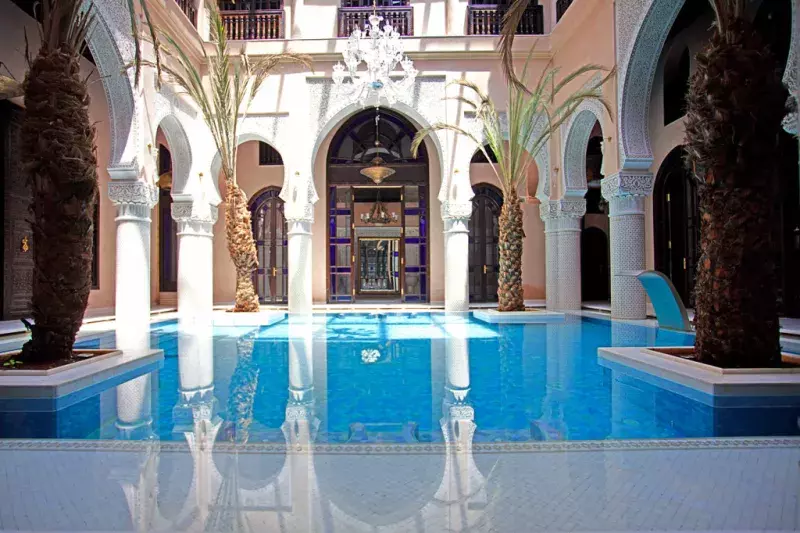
(381, 50)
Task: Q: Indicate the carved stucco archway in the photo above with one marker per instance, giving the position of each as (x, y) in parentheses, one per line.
(112, 47)
(642, 30)
(575, 135)
(176, 119)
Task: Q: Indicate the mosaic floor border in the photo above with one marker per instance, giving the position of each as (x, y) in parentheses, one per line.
(417, 448)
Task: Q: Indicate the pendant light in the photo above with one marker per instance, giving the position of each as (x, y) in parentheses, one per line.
(377, 171)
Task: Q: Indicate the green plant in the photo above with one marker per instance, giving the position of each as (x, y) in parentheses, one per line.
(224, 97)
(12, 363)
(533, 114)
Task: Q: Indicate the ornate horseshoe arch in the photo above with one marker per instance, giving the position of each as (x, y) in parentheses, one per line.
(576, 135)
(642, 30)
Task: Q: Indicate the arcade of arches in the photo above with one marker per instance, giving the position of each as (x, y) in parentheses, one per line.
(608, 195)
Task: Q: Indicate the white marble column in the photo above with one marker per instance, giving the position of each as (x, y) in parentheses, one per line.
(195, 262)
(300, 257)
(456, 260)
(134, 201)
(299, 197)
(626, 193)
(562, 222)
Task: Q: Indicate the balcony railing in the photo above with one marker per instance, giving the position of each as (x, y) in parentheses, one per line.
(253, 25)
(488, 20)
(400, 17)
(561, 8)
(190, 10)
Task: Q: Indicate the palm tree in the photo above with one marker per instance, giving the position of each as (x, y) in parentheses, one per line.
(735, 107)
(233, 81)
(532, 116)
(58, 158)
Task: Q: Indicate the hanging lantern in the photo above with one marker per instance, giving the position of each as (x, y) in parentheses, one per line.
(377, 171)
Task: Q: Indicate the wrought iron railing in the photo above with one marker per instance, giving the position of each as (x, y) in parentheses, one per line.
(561, 8)
(253, 25)
(400, 17)
(488, 20)
(190, 10)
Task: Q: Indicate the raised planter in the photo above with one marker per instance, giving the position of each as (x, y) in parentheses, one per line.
(25, 391)
(531, 316)
(726, 387)
(83, 357)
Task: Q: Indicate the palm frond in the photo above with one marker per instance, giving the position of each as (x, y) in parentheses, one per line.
(511, 22)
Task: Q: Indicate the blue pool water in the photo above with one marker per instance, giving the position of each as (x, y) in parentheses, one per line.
(395, 378)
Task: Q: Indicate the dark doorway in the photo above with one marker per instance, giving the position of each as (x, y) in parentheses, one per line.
(167, 227)
(377, 235)
(269, 230)
(484, 235)
(677, 224)
(594, 265)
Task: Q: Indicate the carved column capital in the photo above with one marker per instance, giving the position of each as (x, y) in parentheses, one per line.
(299, 196)
(195, 218)
(134, 199)
(627, 183)
(562, 215)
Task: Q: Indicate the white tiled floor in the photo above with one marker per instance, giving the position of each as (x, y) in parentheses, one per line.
(736, 485)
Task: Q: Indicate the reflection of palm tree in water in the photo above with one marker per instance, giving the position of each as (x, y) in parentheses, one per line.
(242, 392)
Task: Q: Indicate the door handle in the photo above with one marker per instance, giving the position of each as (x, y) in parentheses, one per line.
(485, 270)
(274, 272)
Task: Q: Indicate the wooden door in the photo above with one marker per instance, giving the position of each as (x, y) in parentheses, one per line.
(484, 236)
(269, 231)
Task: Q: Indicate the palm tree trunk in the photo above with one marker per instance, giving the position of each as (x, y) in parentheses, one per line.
(58, 154)
(735, 107)
(510, 293)
(242, 247)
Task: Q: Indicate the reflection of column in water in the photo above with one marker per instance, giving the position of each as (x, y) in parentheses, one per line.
(463, 485)
(301, 424)
(134, 411)
(194, 416)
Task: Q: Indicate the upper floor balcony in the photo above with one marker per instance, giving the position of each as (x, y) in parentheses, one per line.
(253, 20)
(487, 19)
(355, 14)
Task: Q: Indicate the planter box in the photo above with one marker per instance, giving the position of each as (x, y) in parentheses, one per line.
(533, 316)
(86, 357)
(72, 383)
(717, 386)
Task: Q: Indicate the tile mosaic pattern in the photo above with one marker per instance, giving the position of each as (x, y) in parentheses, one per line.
(703, 485)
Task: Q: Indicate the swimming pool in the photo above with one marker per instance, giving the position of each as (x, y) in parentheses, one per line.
(394, 377)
